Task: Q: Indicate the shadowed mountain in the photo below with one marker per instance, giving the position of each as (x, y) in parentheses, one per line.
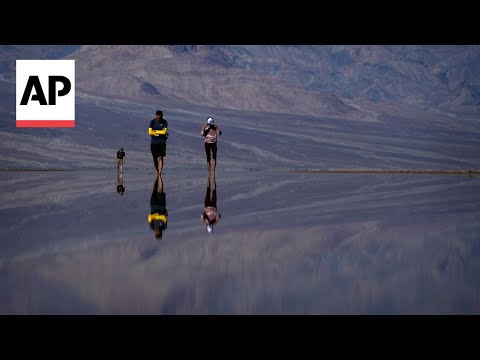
(314, 80)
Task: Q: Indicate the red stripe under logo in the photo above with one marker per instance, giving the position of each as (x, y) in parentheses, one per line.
(46, 123)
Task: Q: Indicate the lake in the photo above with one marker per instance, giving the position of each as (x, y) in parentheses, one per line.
(286, 243)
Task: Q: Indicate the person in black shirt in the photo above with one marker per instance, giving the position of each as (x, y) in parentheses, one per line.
(120, 183)
(120, 159)
(158, 131)
(157, 219)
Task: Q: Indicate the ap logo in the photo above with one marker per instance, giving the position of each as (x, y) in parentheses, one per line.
(45, 93)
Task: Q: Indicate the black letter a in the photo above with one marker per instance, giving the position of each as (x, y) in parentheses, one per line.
(33, 82)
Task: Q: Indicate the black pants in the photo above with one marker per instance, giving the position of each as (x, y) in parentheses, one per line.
(213, 201)
(213, 148)
(157, 150)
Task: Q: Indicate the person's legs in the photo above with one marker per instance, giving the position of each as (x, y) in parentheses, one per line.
(214, 192)
(160, 155)
(214, 155)
(160, 184)
(207, 195)
(154, 155)
(207, 152)
(160, 164)
(214, 198)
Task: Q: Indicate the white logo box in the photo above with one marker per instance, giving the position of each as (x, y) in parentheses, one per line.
(34, 114)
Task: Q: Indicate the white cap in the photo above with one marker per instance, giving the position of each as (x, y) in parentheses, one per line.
(210, 120)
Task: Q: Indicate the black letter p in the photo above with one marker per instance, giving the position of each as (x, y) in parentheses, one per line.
(52, 80)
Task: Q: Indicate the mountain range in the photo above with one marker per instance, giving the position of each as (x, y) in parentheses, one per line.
(413, 91)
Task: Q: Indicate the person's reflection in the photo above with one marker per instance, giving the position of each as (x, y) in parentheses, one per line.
(120, 183)
(210, 216)
(158, 214)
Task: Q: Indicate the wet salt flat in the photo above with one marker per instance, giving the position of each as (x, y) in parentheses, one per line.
(285, 244)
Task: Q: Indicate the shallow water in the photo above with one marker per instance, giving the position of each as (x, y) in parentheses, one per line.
(285, 244)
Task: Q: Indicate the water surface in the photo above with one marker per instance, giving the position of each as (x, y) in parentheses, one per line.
(285, 244)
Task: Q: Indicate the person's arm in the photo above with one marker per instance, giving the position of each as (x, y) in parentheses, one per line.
(202, 132)
(156, 132)
(164, 131)
(150, 129)
(160, 132)
(219, 131)
(204, 218)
